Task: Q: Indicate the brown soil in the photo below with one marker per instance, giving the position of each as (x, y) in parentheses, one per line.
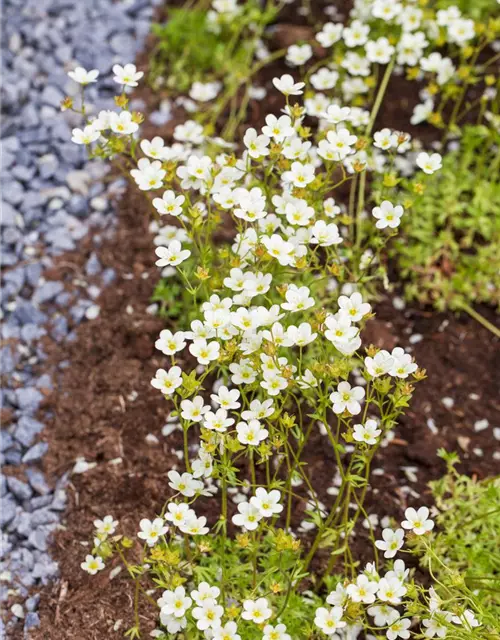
(104, 409)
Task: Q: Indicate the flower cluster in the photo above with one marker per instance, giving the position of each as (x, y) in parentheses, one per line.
(268, 357)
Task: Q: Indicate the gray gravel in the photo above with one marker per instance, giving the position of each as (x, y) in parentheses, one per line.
(51, 199)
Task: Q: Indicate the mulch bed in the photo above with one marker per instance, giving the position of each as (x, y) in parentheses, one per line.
(105, 410)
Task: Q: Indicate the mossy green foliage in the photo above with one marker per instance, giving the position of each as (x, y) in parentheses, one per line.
(467, 541)
(192, 48)
(449, 248)
(476, 9)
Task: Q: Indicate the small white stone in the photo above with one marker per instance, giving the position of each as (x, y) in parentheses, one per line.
(481, 425)
(496, 433)
(93, 312)
(17, 610)
(474, 396)
(169, 429)
(114, 572)
(448, 402)
(129, 309)
(478, 452)
(82, 466)
(416, 337)
(99, 204)
(398, 303)
(152, 439)
(432, 426)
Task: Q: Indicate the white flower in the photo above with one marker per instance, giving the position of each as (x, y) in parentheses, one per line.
(227, 398)
(298, 212)
(194, 526)
(385, 139)
(251, 432)
(92, 564)
(356, 34)
(380, 364)
(243, 372)
(287, 85)
(391, 542)
(347, 397)
(106, 526)
(434, 628)
(127, 75)
(151, 531)
(391, 590)
(259, 410)
(387, 215)
(299, 54)
(363, 590)
(205, 351)
(386, 9)
(123, 123)
(148, 175)
(189, 131)
(301, 335)
(276, 633)
(297, 299)
(337, 597)
(422, 111)
(257, 145)
(279, 249)
(256, 610)
(367, 433)
(329, 620)
(82, 76)
(85, 136)
(403, 363)
(175, 603)
(169, 204)
(339, 329)
(356, 64)
(330, 34)
(300, 175)
(171, 255)
(204, 592)
(383, 614)
(353, 306)
(324, 79)
(171, 623)
(379, 51)
(178, 513)
(278, 128)
(194, 410)
(398, 628)
(204, 92)
(267, 502)
(325, 234)
(341, 142)
(167, 382)
(227, 632)
(184, 484)
(217, 421)
(208, 615)
(170, 343)
(467, 618)
(429, 163)
(248, 517)
(418, 521)
(462, 30)
(336, 114)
